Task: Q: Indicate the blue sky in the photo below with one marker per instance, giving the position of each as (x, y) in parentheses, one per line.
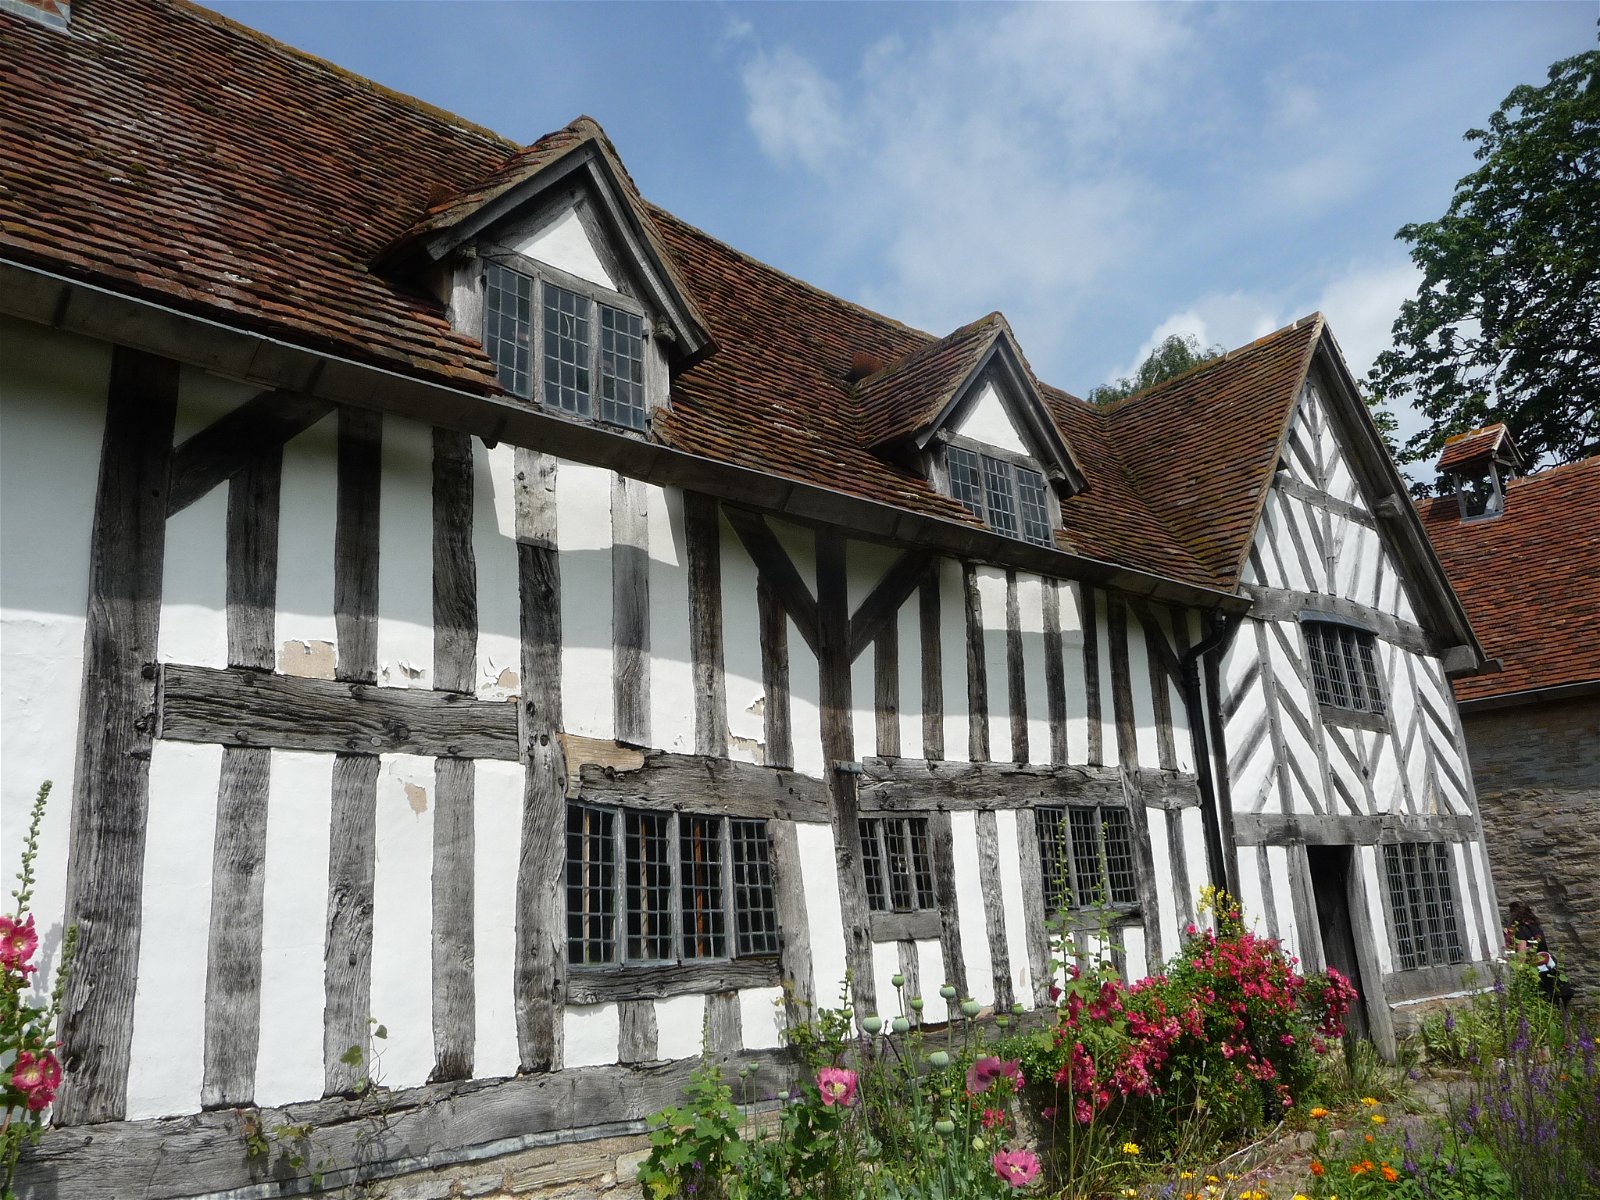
(1104, 174)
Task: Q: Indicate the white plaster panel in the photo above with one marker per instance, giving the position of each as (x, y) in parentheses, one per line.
(671, 675)
(992, 613)
(1194, 848)
(1016, 918)
(1342, 485)
(294, 923)
(1251, 894)
(863, 703)
(1070, 608)
(819, 877)
(167, 1059)
(405, 558)
(969, 884)
(305, 548)
(1298, 514)
(1108, 713)
(1371, 881)
(805, 706)
(52, 422)
(1161, 858)
(909, 629)
(953, 660)
(885, 965)
(583, 536)
(402, 906)
(988, 422)
(1237, 661)
(680, 1027)
(1144, 705)
(561, 241)
(1136, 952)
(592, 1034)
(1469, 904)
(494, 547)
(931, 973)
(1364, 588)
(741, 653)
(1343, 769)
(1030, 607)
(1493, 932)
(1386, 776)
(1182, 738)
(194, 584)
(202, 398)
(1289, 933)
(761, 1018)
(1252, 779)
(497, 837)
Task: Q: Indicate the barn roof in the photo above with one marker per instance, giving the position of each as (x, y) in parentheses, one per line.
(160, 151)
(1529, 579)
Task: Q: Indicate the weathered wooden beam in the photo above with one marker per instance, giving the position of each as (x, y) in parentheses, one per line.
(776, 711)
(432, 1126)
(355, 545)
(347, 961)
(884, 601)
(703, 548)
(230, 443)
(692, 783)
(724, 1024)
(977, 668)
(252, 561)
(1349, 830)
(540, 925)
(1163, 657)
(596, 985)
(284, 712)
(1128, 759)
(111, 795)
(637, 1036)
(1055, 676)
(630, 609)
(893, 784)
(942, 837)
(455, 567)
(454, 918)
(775, 566)
(994, 909)
(932, 668)
(886, 688)
(1037, 928)
(1016, 673)
(794, 924)
(905, 926)
(1282, 604)
(838, 748)
(1091, 675)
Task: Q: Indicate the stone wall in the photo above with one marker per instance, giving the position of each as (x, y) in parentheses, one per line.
(1537, 772)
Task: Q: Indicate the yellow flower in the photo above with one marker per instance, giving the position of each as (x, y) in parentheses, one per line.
(1130, 1191)
(1299, 1196)
(1185, 1174)
(1212, 1179)
(1319, 1112)
(1369, 1101)
(1378, 1118)
(1130, 1147)
(1230, 1177)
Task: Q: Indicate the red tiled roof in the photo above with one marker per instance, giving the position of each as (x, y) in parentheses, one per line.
(1202, 446)
(1470, 447)
(163, 151)
(905, 397)
(1529, 579)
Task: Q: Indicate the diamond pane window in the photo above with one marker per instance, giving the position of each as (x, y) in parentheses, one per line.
(566, 350)
(508, 327)
(1422, 902)
(622, 400)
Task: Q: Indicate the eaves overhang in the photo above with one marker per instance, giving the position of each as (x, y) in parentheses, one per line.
(76, 306)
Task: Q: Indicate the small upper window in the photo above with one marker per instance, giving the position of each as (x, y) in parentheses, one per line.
(691, 887)
(569, 354)
(1009, 498)
(1344, 668)
(1085, 856)
(897, 863)
(1479, 492)
(1422, 900)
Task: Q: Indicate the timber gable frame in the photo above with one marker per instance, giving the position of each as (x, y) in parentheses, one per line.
(359, 618)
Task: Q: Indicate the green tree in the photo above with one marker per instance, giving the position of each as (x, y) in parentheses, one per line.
(1177, 354)
(1505, 325)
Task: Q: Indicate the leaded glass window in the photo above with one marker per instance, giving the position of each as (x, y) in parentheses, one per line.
(898, 864)
(1422, 901)
(508, 326)
(1344, 667)
(566, 350)
(622, 400)
(1086, 856)
(1010, 499)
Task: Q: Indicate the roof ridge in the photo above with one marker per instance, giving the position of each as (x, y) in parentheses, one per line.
(267, 41)
(906, 361)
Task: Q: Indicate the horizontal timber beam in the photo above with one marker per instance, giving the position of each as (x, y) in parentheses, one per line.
(693, 783)
(255, 708)
(595, 985)
(1282, 604)
(913, 784)
(1251, 829)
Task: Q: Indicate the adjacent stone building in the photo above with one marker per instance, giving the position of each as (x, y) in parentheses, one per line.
(1524, 556)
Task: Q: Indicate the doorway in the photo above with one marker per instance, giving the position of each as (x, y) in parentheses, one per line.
(1331, 886)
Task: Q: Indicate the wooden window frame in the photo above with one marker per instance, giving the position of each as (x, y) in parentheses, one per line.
(1012, 464)
(1351, 669)
(736, 875)
(1413, 950)
(919, 918)
(597, 298)
(1058, 848)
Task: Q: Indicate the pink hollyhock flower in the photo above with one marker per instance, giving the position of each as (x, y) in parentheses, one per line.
(18, 941)
(837, 1085)
(1018, 1168)
(37, 1078)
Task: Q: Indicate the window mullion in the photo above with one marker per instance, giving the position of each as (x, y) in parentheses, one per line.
(675, 927)
(730, 916)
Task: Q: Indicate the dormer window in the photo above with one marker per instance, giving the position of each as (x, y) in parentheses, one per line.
(1005, 495)
(564, 344)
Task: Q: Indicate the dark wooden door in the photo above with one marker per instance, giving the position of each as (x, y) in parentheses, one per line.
(1331, 868)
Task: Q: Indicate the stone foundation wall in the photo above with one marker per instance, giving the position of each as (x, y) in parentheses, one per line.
(572, 1171)
(1537, 772)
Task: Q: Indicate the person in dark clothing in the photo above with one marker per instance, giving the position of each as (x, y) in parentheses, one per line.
(1527, 934)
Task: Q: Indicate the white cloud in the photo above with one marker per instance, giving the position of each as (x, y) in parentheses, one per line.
(795, 111)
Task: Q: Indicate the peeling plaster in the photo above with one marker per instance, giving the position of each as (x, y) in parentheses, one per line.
(417, 797)
(307, 660)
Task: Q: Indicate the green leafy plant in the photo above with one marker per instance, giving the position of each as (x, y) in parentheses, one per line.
(30, 1073)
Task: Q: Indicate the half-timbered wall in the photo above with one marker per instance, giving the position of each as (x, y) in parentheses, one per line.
(1298, 771)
